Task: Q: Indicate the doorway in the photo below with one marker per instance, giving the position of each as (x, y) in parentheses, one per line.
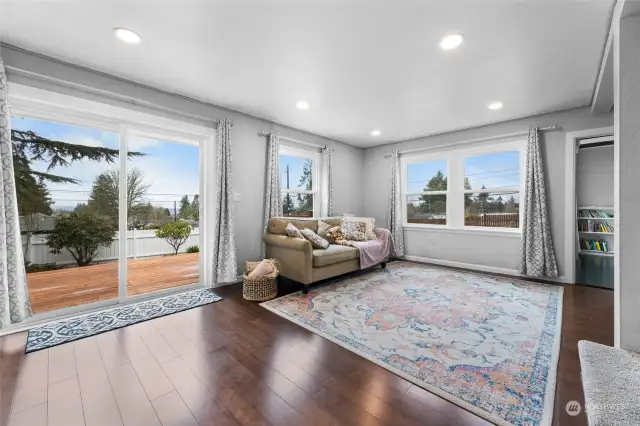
(595, 213)
(590, 222)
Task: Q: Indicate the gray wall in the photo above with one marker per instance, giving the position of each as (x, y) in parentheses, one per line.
(594, 176)
(249, 149)
(478, 249)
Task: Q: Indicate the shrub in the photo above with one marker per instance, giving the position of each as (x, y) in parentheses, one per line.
(193, 249)
(40, 267)
(175, 233)
(81, 234)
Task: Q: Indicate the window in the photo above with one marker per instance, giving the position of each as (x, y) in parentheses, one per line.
(474, 187)
(426, 197)
(492, 190)
(299, 182)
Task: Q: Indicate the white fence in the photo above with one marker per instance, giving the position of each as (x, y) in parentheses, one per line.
(139, 244)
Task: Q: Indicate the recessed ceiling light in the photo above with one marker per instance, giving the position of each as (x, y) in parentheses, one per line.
(127, 36)
(302, 105)
(450, 42)
(495, 105)
(376, 133)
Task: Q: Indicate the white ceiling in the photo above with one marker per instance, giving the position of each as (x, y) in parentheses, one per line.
(361, 65)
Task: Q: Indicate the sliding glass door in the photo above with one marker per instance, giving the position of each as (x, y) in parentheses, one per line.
(108, 212)
(70, 243)
(162, 218)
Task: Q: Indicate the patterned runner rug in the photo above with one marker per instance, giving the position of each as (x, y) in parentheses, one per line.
(82, 326)
(486, 343)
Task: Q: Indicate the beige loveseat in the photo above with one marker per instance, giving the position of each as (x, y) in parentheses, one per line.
(300, 261)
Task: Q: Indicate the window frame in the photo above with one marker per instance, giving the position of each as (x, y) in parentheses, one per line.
(428, 158)
(316, 174)
(455, 163)
(47, 105)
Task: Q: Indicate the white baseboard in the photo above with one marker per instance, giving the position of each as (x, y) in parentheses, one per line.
(482, 268)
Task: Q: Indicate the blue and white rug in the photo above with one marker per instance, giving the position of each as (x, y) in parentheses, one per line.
(71, 329)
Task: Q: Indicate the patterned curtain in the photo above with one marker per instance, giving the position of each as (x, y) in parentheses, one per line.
(224, 247)
(272, 202)
(326, 167)
(14, 297)
(395, 219)
(537, 258)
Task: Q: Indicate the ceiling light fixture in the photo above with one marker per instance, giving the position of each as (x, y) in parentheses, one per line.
(127, 36)
(495, 105)
(302, 105)
(376, 133)
(450, 42)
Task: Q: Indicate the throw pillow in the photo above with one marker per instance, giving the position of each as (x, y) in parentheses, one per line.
(323, 228)
(334, 235)
(316, 240)
(292, 231)
(354, 231)
(369, 223)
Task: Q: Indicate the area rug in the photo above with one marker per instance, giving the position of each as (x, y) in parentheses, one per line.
(486, 343)
(82, 326)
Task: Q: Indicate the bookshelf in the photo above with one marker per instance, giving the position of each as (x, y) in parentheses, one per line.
(595, 231)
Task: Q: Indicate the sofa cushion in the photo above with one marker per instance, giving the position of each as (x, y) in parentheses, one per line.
(277, 225)
(334, 254)
(333, 221)
(323, 228)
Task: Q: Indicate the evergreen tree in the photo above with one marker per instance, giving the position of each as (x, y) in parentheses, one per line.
(305, 201)
(185, 207)
(195, 207)
(28, 147)
(434, 204)
(287, 205)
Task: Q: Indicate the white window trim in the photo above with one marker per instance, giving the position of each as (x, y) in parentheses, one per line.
(56, 107)
(454, 159)
(316, 184)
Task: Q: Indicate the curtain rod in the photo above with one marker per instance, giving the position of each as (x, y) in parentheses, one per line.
(263, 133)
(485, 139)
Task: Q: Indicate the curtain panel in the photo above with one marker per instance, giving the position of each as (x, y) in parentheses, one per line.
(224, 247)
(537, 258)
(327, 182)
(272, 202)
(395, 211)
(14, 297)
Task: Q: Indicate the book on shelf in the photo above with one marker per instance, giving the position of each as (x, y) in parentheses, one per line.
(594, 214)
(594, 226)
(594, 245)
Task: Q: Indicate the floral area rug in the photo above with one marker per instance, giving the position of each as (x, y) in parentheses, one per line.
(489, 344)
(68, 330)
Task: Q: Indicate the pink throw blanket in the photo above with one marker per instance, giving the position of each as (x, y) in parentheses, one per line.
(375, 251)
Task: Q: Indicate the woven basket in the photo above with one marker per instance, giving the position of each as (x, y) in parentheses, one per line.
(260, 289)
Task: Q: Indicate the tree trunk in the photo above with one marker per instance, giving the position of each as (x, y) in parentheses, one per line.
(27, 259)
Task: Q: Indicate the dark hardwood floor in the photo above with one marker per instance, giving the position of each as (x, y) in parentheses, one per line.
(235, 363)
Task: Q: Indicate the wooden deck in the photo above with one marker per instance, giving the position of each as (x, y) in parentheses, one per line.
(64, 288)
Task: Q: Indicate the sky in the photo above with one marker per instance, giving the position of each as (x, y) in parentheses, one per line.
(496, 170)
(170, 168)
(295, 171)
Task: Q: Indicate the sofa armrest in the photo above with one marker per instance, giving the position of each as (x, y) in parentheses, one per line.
(294, 254)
